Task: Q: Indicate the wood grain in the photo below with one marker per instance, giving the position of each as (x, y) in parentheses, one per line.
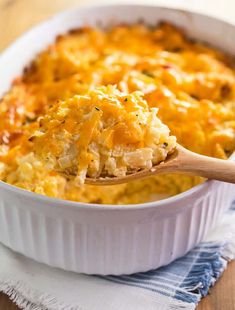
(180, 161)
(6, 303)
(222, 295)
(16, 16)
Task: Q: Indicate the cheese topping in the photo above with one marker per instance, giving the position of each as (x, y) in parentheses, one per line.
(191, 85)
(105, 132)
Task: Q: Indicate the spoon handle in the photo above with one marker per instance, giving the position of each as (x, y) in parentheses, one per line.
(207, 167)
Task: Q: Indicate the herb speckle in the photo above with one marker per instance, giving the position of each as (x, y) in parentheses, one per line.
(149, 74)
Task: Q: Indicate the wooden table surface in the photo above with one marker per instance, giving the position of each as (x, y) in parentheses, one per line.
(16, 16)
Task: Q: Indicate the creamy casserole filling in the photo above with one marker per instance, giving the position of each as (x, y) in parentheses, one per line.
(191, 85)
(102, 133)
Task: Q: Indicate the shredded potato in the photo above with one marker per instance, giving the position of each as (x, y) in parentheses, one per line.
(104, 133)
(191, 85)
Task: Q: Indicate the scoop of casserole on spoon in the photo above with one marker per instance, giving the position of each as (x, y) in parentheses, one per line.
(181, 161)
(107, 137)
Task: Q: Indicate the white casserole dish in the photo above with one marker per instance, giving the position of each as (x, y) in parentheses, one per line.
(109, 239)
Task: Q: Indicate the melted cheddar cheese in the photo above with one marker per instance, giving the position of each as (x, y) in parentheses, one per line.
(191, 84)
(102, 133)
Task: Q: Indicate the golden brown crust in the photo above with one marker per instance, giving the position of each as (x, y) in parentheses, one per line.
(191, 84)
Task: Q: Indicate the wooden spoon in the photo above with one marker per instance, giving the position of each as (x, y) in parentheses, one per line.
(182, 161)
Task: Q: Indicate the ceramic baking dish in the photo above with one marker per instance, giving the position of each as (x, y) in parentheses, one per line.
(109, 239)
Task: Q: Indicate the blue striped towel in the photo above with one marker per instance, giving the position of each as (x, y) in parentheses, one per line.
(180, 285)
(189, 278)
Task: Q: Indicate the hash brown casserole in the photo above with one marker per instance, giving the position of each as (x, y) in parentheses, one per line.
(191, 85)
(103, 133)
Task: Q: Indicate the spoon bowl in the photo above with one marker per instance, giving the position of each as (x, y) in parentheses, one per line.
(181, 161)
